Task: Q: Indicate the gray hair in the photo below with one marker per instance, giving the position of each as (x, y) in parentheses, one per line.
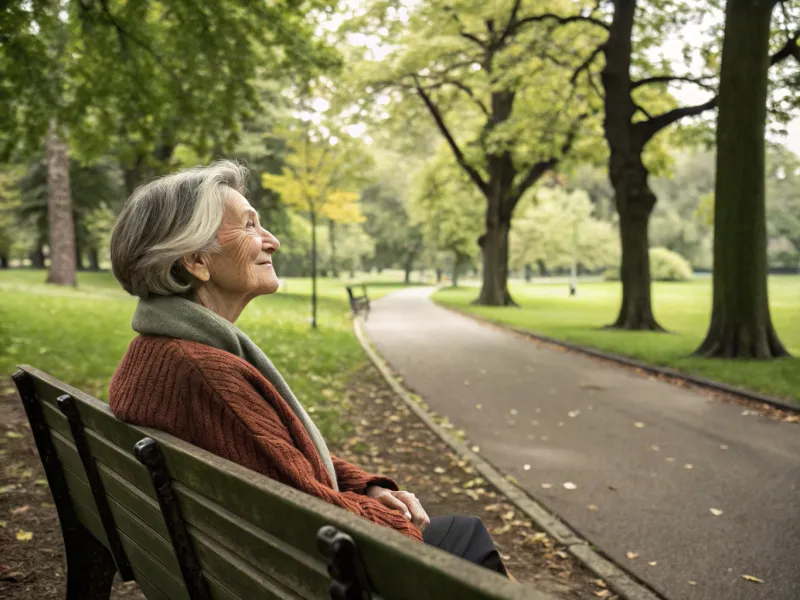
(167, 218)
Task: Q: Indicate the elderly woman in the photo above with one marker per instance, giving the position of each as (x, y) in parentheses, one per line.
(192, 249)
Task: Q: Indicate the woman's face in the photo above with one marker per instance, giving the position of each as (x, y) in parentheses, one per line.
(244, 263)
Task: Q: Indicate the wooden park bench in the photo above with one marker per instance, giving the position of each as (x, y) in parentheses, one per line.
(189, 525)
(358, 303)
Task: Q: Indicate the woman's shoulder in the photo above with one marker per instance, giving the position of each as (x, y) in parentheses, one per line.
(161, 352)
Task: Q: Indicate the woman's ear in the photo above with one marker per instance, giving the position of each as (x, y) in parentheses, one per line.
(198, 264)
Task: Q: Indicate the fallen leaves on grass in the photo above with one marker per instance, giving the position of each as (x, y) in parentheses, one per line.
(752, 578)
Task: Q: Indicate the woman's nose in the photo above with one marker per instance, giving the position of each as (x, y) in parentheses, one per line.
(271, 243)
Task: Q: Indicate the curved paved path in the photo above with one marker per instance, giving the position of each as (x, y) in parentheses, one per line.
(653, 458)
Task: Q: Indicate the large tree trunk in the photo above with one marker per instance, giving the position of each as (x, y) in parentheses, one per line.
(634, 198)
(494, 250)
(635, 202)
(456, 265)
(94, 259)
(741, 325)
(59, 210)
(3, 261)
(494, 242)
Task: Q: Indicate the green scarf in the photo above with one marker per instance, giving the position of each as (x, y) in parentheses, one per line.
(177, 317)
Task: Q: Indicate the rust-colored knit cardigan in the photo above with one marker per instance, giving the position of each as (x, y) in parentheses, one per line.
(221, 403)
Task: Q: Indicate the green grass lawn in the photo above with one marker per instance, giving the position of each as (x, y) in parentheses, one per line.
(683, 308)
(80, 335)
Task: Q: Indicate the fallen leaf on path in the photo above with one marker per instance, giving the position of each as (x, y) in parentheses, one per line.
(570, 486)
(753, 579)
(723, 447)
(13, 434)
(526, 467)
(612, 488)
(535, 423)
(688, 466)
(655, 448)
(593, 507)
(573, 413)
(3, 524)
(602, 593)
(561, 423)
(669, 459)
(476, 448)
(591, 386)
(716, 512)
(513, 411)
(632, 555)
(19, 510)
(466, 383)
(7, 488)
(692, 582)
(439, 470)
(40, 482)
(24, 536)
(652, 563)
(547, 486)
(638, 424)
(600, 583)
(479, 406)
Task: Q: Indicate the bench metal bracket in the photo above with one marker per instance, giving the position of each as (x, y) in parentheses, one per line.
(67, 406)
(350, 579)
(149, 454)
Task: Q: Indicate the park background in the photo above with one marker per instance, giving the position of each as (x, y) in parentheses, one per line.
(598, 172)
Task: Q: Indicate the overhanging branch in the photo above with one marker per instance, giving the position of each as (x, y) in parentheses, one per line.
(459, 155)
(699, 81)
(647, 129)
(790, 48)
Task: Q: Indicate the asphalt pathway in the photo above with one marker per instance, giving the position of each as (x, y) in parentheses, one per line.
(686, 492)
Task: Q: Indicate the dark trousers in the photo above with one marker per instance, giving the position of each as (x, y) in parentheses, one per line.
(465, 537)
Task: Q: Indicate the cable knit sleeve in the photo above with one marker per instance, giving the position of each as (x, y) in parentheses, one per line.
(230, 416)
(355, 479)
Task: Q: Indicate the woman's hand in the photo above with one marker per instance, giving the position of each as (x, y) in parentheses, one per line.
(405, 502)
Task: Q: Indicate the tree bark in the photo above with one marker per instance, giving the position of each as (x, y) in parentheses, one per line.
(409, 266)
(3, 261)
(37, 258)
(636, 312)
(634, 198)
(741, 325)
(59, 210)
(494, 242)
(313, 268)
(94, 259)
(332, 240)
(79, 258)
(456, 265)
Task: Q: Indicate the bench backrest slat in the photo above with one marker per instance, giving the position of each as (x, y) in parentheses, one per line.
(254, 537)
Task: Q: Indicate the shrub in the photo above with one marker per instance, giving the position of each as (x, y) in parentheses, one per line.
(665, 265)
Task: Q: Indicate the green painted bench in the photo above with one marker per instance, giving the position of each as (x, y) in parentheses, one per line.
(188, 525)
